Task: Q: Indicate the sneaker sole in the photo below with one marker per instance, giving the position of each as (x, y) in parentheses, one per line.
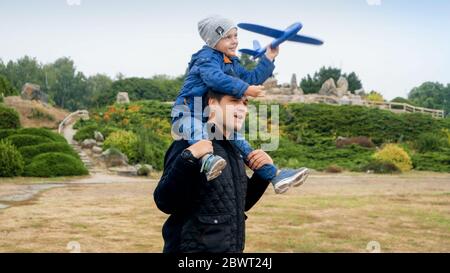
(301, 179)
(283, 186)
(216, 169)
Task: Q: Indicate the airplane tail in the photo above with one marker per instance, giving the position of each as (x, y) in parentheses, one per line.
(252, 52)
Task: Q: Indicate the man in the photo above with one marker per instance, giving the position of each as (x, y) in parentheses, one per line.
(208, 216)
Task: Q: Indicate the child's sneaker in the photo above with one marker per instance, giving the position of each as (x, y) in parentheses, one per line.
(287, 178)
(212, 166)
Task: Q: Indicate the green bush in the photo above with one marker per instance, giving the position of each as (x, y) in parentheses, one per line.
(6, 87)
(29, 152)
(11, 161)
(430, 142)
(4, 133)
(432, 161)
(378, 166)
(124, 141)
(87, 132)
(9, 118)
(42, 132)
(27, 140)
(1, 98)
(55, 164)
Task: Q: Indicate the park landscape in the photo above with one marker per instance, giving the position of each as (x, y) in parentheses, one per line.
(82, 181)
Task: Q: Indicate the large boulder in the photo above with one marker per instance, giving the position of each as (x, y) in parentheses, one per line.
(342, 87)
(33, 92)
(114, 158)
(328, 88)
(270, 83)
(122, 97)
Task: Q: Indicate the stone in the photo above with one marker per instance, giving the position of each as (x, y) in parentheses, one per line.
(124, 170)
(122, 97)
(98, 136)
(114, 158)
(328, 88)
(33, 92)
(342, 87)
(88, 143)
(270, 83)
(294, 83)
(97, 150)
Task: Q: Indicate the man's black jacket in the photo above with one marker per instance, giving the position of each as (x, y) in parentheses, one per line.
(206, 216)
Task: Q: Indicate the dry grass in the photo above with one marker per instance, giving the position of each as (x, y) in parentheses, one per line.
(25, 109)
(331, 213)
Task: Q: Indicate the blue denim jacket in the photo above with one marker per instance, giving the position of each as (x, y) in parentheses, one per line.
(209, 69)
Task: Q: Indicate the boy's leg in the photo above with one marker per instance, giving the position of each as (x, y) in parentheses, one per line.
(281, 180)
(212, 165)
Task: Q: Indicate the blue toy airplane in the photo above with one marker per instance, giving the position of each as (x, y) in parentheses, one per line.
(289, 34)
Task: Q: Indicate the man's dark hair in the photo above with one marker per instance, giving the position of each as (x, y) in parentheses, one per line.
(214, 95)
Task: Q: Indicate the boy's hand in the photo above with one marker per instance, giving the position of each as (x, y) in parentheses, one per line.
(201, 148)
(255, 91)
(272, 53)
(257, 159)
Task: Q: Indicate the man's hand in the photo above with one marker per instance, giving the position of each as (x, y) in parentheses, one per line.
(272, 53)
(255, 91)
(258, 158)
(201, 148)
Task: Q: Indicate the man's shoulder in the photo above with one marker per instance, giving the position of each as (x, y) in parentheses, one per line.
(207, 54)
(178, 146)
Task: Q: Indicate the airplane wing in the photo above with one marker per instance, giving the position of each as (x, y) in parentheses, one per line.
(261, 30)
(305, 40)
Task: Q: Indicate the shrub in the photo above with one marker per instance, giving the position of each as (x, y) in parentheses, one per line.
(11, 161)
(6, 88)
(27, 140)
(143, 171)
(4, 133)
(55, 164)
(429, 142)
(432, 161)
(378, 166)
(87, 132)
(40, 115)
(42, 132)
(125, 141)
(29, 152)
(9, 118)
(394, 154)
(334, 169)
(1, 98)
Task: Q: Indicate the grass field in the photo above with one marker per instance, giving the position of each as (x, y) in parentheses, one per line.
(330, 213)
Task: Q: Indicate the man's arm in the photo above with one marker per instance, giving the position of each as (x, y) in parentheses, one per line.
(255, 189)
(181, 177)
(174, 190)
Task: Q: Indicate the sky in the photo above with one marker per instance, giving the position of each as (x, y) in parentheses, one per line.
(392, 45)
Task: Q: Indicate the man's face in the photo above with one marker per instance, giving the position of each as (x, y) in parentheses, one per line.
(229, 43)
(230, 112)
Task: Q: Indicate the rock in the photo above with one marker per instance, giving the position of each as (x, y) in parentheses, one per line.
(328, 88)
(124, 170)
(270, 83)
(88, 143)
(113, 158)
(122, 97)
(361, 141)
(342, 87)
(97, 150)
(98, 136)
(294, 84)
(33, 92)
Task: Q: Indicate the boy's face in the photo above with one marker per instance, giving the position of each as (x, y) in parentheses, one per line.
(229, 43)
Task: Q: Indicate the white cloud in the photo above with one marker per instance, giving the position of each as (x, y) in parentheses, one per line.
(373, 2)
(73, 2)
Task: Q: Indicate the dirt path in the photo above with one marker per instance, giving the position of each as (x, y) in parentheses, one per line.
(330, 213)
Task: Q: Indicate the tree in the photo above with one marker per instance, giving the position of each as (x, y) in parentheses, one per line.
(375, 96)
(431, 95)
(6, 88)
(313, 84)
(97, 87)
(247, 62)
